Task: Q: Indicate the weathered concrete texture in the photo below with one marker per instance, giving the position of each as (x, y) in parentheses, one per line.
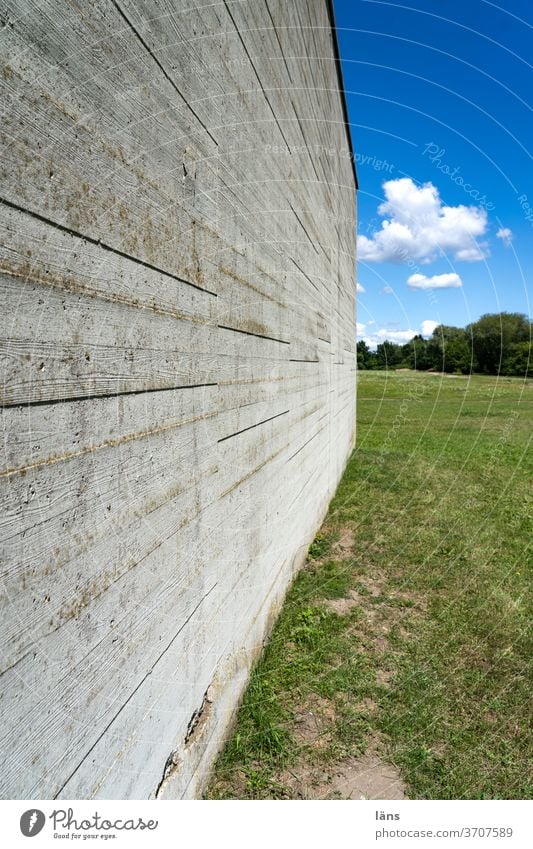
(178, 370)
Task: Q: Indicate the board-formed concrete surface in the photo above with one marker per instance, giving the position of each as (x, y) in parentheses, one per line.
(177, 370)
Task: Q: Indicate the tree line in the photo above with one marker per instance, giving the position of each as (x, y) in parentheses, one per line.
(498, 343)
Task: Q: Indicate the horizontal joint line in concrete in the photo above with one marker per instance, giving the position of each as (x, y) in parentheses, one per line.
(303, 446)
(304, 228)
(164, 72)
(257, 75)
(300, 269)
(250, 333)
(103, 245)
(237, 432)
(104, 395)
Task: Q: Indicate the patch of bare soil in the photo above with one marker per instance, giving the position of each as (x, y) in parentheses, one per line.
(344, 544)
(319, 772)
(367, 777)
(364, 777)
(311, 725)
(342, 606)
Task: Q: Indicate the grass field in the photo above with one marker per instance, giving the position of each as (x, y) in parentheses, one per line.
(406, 638)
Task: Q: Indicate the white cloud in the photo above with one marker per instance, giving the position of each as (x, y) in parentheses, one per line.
(428, 326)
(360, 328)
(472, 254)
(359, 289)
(418, 226)
(374, 338)
(388, 290)
(399, 336)
(506, 235)
(438, 281)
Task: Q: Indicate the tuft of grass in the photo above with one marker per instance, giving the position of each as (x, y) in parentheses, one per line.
(430, 660)
(320, 546)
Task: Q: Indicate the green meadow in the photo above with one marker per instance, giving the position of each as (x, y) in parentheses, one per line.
(407, 635)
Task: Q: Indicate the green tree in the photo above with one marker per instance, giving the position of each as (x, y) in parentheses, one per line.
(493, 336)
(518, 360)
(497, 343)
(363, 354)
(415, 354)
(450, 349)
(388, 355)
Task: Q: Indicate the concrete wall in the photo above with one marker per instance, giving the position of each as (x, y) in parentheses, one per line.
(177, 370)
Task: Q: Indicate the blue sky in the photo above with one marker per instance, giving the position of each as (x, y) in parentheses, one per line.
(439, 93)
